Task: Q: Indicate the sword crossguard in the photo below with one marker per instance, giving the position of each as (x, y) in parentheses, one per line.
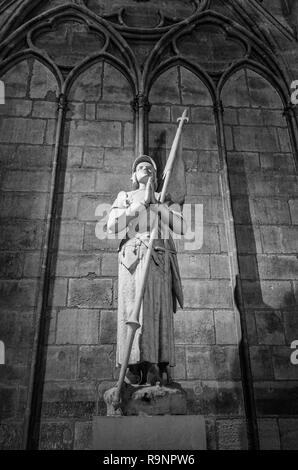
(183, 117)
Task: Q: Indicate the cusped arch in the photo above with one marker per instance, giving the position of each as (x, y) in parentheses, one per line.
(18, 58)
(90, 62)
(277, 83)
(75, 12)
(194, 69)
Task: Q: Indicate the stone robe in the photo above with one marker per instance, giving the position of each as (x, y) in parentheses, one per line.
(154, 340)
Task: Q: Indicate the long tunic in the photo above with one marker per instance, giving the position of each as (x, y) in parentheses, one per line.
(154, 340)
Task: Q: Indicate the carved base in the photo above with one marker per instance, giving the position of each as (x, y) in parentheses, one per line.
(147, 400)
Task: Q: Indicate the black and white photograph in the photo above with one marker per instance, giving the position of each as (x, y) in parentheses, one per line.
(149, 228)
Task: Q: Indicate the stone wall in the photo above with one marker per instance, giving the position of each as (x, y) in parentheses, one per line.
(95, 156)
(264, 197)
(27, 131)
(206, 329)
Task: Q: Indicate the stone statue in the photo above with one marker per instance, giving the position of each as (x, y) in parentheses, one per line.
(152, 353)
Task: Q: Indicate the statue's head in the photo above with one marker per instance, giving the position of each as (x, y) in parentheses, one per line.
(143, 167)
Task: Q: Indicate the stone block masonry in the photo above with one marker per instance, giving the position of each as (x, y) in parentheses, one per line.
(96, 157)
(26, 159)
(264, 188)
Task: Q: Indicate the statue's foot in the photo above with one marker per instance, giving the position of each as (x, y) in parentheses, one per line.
(153, 375)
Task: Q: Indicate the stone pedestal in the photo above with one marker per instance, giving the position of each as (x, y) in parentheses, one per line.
(148, 400)
(180, 432)
(149, 418)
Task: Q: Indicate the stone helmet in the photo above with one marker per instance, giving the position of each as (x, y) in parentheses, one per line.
(139, 159)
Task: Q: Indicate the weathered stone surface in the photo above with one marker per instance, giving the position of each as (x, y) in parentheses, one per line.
(120, 158)
(220, 268)
(90, 293)
(96, 362)
(225, 327)
(8, 402)
(91, 242)
(61, 363)
(69, 236)
(235, 92)
(111, 183)
(56, 436)
(149, 400)
(88, 85)
(15, 294)
(106, 133)
(293, 203)
(280, 239)
(78, 264)
(194, 327)
(11, 436)
(108, 327)
(193, 90)
(58, 293)
(194, 266)
(232, 434)
(83, 181)
(21, 130)
(116, 88)
(83, 436)
(114, 112)
(43, 83)
(283, 368)
(16, 80)
(212, 363)
(256, 139)
(261, 363)
(128, 134)
(202, 184)
(93, 157)
(109, 264)
(210, 294)
(44, 109)
(26, 181)
(160, 113)
(270, 329)
(11, 265)
(277, 162)
(29, 206)
(276, 395)
(269, 434)
(16, 107)
(288, 433)
(291, 325)
(165, 89)
(274, 294)
(214, 398)
(77, 326)
(149, 433)
(16, 327)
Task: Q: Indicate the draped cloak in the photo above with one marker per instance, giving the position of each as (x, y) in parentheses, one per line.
(154, 340)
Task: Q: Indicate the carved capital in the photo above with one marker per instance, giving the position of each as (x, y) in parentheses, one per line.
(62, 103)
(289, 110)
(141, 101)
(218, 107)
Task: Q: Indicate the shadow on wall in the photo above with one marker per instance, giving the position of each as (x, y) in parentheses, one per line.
(271, 317)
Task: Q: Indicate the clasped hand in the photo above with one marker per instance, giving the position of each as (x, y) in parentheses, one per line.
(150, 197)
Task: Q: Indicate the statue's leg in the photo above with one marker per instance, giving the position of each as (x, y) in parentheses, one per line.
(134, 374)
(165, 373)
(153, 375)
